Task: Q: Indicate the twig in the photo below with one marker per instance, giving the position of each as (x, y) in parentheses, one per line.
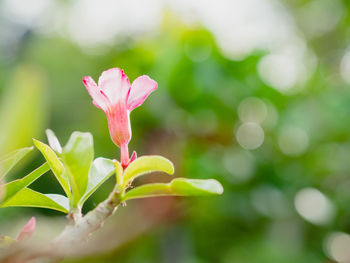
(77, 231)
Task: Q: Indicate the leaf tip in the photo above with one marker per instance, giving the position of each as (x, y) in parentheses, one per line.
(53, 141)
(219, 189)
(170, 169)
(37, 143)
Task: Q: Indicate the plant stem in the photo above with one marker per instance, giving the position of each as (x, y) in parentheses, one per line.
(76, 232)
(124, 155)
(84, 226)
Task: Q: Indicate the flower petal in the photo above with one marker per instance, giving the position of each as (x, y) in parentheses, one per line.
(115, 84)
(140, 89)
(98, 98)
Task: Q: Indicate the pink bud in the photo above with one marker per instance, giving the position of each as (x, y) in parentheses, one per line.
(117, 98)
(133, 156)
(28, 230)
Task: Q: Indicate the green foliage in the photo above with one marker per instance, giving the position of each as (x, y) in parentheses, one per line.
(146, 164)
(118, 173)
(10, 160)
(55, 165)
(177, 187)
(16, 193)
(30, 198)
(79, 176)
(77, 157)
(84, 175)
(101, 169)
(77, 171)
(53, 141)
(14, 187)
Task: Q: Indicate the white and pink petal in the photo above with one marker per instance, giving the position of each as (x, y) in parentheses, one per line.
(98, 98)
(140, 89)
(115, 84)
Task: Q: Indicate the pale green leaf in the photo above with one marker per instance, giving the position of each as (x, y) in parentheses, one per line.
(147, 164)
(77, 156)
(55, 165)
(60, 200)
(8, 161)
(14, 187)
(53, 141)
(101, 169)
(30, 198)
(177, 187)
(118, 172)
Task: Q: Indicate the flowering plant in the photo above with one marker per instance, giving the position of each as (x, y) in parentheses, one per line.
(80, 175)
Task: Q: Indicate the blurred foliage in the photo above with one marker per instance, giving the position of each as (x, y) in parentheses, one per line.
(192, 120)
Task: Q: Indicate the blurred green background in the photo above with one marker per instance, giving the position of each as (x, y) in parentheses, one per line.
(255, 94)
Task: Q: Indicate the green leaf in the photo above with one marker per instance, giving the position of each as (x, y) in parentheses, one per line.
(77, 156)
(53, 141)
(101, 169)
(30, 198)
(177, 187)
(10, 160)
(118, 172)
(14, 187)
(55, 165)
(147, 164)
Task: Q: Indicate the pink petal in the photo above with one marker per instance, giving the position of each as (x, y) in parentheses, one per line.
(119, 124)
(28, 230)
(140, 89)
(98, 98)
(115, 84)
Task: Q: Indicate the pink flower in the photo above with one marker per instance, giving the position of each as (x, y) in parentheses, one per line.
(117, 98)
(28, 230)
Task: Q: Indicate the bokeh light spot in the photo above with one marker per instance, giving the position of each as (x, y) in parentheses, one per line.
(314, 206)
(345, 67)
(240, 165)
(252, 110)
(337, 246)
(293, 141)
(279, 71)
(250, 135)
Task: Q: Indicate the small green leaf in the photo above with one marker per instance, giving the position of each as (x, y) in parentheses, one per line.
(118, 172)
(77, 156)
(14, 187)
(53, 141)
(101, 169)
(8, 161)
(147, 164)
(177, 187)
(55, 165)
(30, 198)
